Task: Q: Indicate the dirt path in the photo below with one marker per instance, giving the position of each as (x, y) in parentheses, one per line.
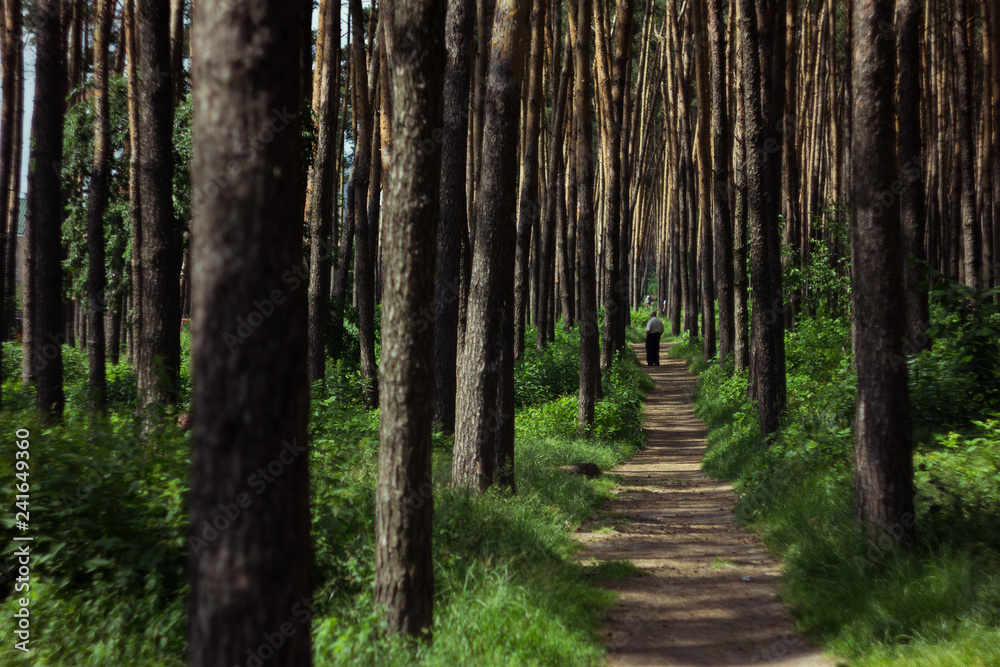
(709, 592)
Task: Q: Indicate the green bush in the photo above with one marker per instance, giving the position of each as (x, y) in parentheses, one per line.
(939, 598)
(542, 375)
(109, 582)
(109, 561)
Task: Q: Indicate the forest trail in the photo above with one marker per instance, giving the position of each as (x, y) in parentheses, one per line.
(709, 592)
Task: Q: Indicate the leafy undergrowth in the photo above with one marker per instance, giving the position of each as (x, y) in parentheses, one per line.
(108, 580)
(937, 603)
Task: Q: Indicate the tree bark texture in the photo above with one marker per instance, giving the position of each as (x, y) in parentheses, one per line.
(404, 574)
(479, 420)
(250, 553)
(453, 227)
(160, 344)
(45, 196)
(883, 454)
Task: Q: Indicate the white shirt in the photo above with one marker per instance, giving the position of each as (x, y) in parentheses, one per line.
(654, 325)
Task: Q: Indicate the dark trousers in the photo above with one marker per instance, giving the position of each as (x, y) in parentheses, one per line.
(653, 349)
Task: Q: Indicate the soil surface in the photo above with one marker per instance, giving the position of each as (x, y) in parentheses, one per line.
(708, 594)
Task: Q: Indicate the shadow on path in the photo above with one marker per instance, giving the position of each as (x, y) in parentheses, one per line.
(708, 595)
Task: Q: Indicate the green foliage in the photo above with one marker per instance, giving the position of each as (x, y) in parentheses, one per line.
(183, 154)
(691, 350)
(541, 375)
(958, 477)
(636, 332)
(108, 564)
(822, 282)
(109, 582)
(507, 588)
(78, 156)
(972, 320)
(76, 167)
(935, 603)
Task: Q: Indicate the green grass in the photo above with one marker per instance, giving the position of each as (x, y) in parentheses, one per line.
(109, 583)
(721, 564)
(937, 603)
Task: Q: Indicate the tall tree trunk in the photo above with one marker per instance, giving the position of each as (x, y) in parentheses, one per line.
(615, 289)
(115, 330)
(722, 222)
(530, 208)
(883, 453)
(453, 226)
(177, 8)
(554, 213)
(984, 188)
(159, 346)
(45, 196)
(249, 527)
(767, 373)
(14, 183)
(135, 192)
(479, 428)
(404, 573)
(364, 269)
(72, 13)
(321, 187)
(570, 181)
(792, 232)
(484, 30)
(10, 46)
(705, 220)
(96, 206)
(971, 240)
(741, 348)
(911, 198)
(28, 282)
(590, 372)
(375, 189)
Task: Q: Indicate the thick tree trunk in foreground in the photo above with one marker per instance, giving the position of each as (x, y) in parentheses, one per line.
(45, 194)
(479, 430)
(160, 343)
(453, 227)
(883, 453)
(96, 205)
(249, 532)
(590, 372)
(767, 373)
(404, 573)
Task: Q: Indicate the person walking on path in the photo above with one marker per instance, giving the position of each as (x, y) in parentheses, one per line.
(654, 329)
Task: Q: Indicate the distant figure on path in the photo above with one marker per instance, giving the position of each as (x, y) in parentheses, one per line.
(654, 329)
